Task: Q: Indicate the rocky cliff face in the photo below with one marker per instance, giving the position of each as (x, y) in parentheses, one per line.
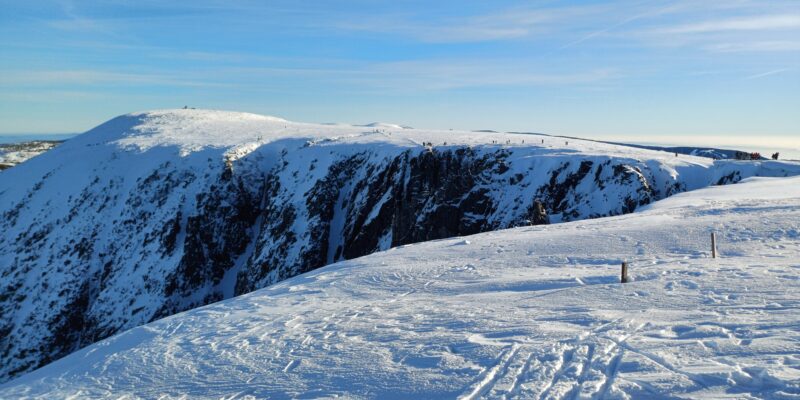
(152, 214)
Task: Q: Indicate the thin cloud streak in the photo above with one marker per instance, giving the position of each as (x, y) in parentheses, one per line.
(755, 46)
(768, 73)
(417, 76)
(626, 21)
(398, 77)
(93, 77)
(457, 74)
(758, 23)
(509, 24)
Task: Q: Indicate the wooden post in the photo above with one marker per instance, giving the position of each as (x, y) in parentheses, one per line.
(713, 245)
(624, 275)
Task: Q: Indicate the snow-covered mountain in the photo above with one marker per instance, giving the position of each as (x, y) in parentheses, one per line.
(155, 213)
(532, 312)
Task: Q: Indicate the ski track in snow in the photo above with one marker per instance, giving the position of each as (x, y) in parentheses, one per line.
(532, 313)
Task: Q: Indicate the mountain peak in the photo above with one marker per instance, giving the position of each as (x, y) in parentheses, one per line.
(188, 129)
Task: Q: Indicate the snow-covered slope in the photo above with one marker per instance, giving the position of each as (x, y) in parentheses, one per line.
(533, 312)
(155, 213)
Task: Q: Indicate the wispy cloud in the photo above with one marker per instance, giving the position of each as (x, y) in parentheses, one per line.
(650, 23)
(397, 77)
(768, 73)
(51, 96)
(737, 27)
(755, 46)
(73, 21)
(501, 25)
(88, 77)
(753, 23)
(648, 13)
(420, 76)
(455, 74)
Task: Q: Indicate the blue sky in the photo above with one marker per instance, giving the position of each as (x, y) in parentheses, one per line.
(643, 69)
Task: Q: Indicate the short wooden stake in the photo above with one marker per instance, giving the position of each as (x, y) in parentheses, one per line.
(624, 275)
(713, 245)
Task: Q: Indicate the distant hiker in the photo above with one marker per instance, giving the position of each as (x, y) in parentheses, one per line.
(676, 154)
(542, 141)
(185, 107)
(775, 155)
(566, 143)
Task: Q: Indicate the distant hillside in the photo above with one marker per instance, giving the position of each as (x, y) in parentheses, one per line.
(12, 154)
(699, 151)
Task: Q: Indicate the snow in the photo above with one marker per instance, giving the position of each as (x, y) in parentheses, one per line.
(13, 154)
(196, 130)
(383, 125)
(534, 312)
(91, 185)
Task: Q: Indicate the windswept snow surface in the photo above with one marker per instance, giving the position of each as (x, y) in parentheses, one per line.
(533, 312)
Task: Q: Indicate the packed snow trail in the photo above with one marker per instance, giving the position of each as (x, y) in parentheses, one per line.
(523, 313)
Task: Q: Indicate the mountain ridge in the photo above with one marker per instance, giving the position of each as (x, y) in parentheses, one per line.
(154, 213)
